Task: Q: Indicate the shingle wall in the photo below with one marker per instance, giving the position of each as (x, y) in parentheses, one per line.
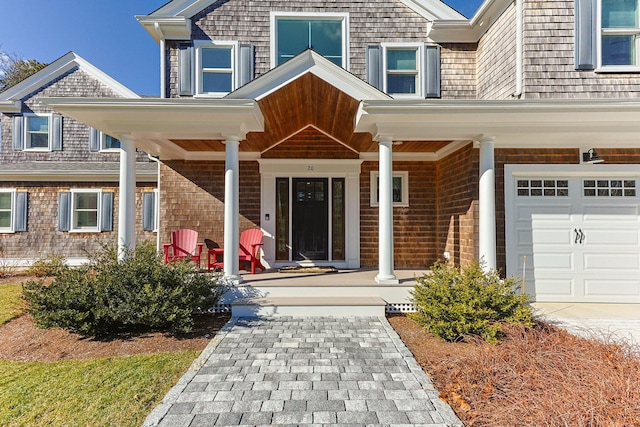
(496, 58)
(549, 69)
(75, 135)
(42, 237)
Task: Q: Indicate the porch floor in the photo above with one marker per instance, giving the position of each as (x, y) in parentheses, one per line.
(361, 277)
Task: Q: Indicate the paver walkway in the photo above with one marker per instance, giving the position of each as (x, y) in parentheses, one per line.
(304, 371)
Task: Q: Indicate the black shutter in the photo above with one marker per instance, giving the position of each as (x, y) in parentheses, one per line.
(64, 211)
(432, 71)
(149, 211)
(20, 217)
(375, 73)
(18, 133)
(186, 70)
(585, 13)
(246, 66)
(106, 216)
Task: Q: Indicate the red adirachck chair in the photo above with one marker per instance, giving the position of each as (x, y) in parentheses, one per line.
(249, 251)
(184, 245)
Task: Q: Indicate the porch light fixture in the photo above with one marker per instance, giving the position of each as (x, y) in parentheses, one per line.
(591, 157)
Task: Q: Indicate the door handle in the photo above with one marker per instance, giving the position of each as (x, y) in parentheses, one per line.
(582, 236)
(575, 241)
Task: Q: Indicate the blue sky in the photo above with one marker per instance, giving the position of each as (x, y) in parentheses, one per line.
(104, 32)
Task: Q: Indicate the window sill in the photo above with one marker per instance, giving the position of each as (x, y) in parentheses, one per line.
(85, 230)
(7, 231)
(395, 205)
(37, 150)
(111, 150)
(618, 69)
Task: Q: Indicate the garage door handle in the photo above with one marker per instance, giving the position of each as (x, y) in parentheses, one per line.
(579, 236)
(582, 236)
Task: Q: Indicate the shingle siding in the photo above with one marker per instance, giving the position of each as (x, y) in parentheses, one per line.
(370, 22)
(549, 69)
(496, 58)
(75, 135)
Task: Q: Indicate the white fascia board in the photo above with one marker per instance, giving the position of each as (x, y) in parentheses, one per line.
(56, 69)
(432, 9)
(186, 8)
(167, 27)
(468, 30)
(10, 106)
(307, 62)
(551, 122)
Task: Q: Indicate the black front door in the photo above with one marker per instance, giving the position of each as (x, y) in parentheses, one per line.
(310, 212)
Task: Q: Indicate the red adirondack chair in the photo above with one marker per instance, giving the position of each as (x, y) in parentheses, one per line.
(184, 245)
(250, 242)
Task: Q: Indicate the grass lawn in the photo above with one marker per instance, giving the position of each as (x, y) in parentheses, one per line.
(10, 303)
(117, 391)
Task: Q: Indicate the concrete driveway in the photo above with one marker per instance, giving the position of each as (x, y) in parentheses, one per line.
(618, 322)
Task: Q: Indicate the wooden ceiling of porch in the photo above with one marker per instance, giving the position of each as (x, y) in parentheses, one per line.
(308, 100)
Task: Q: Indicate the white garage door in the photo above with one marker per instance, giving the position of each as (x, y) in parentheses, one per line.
(580, 236)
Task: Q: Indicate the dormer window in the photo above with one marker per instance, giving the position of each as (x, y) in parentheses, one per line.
(403, 73)
(292, 33)
(216, 68)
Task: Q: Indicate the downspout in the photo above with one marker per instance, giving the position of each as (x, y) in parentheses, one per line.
(519, 48)
(155, 159)
(163, 65)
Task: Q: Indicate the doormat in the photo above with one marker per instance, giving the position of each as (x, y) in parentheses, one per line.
(316, 270)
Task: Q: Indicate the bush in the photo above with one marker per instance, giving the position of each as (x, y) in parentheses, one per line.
(454, 303)
(107, 296)
(49, 266)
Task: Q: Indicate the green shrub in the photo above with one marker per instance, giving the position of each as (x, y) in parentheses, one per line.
(49, 266)
(453, 303)
(107, 296)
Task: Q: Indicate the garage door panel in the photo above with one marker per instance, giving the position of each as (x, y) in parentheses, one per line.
(609, 236)
(612, 211)
(551, 289)
(552, 212)
(553, 261)
(546, 236)
(627, 263)
(613, 289)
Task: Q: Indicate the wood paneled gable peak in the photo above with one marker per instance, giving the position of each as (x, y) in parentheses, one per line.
(11, 98)
(307, 62)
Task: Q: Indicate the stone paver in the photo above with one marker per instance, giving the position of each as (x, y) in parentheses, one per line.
(304, 371)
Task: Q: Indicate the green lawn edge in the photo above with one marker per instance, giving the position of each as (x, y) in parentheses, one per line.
(11, 305)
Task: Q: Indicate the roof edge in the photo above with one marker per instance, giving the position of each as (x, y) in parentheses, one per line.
(56, 69)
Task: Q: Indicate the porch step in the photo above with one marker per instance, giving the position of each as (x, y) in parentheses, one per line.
(308, 306)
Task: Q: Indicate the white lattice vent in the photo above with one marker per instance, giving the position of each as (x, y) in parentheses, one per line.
(400, 308)
(221, 308)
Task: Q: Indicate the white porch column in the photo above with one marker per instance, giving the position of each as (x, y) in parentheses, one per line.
(127, 198)
(385, 213)
(487, 204)
(231, 211)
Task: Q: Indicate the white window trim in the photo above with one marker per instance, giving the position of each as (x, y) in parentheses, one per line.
(72, 227)
(235, 60)
(420, 71)
(27, 116)
(156, 213)
(615, 68)
(10, 229)
(405, 188)
(103, 137)
(343, 16)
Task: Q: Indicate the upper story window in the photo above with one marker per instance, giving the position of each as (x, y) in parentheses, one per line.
(37, 135)
(402, 69)
(620, 34)
(216, 67)
(292, 33)
(109, 143)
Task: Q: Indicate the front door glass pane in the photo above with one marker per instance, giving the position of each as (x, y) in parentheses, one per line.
(338, 219)
(282, 219)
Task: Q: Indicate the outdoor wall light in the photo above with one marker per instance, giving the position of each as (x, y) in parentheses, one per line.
(591, 157)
